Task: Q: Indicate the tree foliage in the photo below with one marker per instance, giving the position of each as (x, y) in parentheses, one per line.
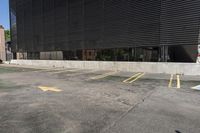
(7, 35)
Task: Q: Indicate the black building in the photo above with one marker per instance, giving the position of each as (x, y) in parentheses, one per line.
(113, 30)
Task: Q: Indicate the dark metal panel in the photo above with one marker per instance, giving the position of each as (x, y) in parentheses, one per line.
(37, 23)
(28, 37)
(13, 24)
(76, 26)
(115, 23)
(61, 24)
(180, 22)
(144, 22)
(20, 25)
(93, 23)
(50, 25)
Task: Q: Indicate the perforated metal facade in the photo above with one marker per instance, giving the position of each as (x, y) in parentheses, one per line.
(61, 25)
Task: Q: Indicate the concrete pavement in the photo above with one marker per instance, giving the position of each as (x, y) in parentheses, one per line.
(86, 105)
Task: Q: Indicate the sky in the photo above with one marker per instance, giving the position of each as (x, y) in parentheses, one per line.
(4, 14)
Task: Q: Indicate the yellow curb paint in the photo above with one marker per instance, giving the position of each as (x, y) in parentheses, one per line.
(103, 75)
(127, 80)
(45, 88)
(138, 77)
(170, 81)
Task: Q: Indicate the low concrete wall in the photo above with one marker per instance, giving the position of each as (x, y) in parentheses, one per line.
(148, 67)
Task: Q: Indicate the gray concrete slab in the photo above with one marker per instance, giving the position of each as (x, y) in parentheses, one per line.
(94, 106)
(165, 111)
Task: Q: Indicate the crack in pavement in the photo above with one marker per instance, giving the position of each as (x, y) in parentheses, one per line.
(128, 111)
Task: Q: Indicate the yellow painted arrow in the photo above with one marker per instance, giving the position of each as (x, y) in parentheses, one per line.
(45, 88)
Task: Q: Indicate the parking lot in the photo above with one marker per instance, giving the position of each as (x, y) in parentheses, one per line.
(63, 100)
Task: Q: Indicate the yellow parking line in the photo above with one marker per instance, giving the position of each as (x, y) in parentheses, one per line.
(64, 71)
(46, 70)
(82, 73)
(134, 78)
(139, 76)
(178, 82)
(170, 81)
(42, 70)
(46, 88)
(129, 79)
(103, 75)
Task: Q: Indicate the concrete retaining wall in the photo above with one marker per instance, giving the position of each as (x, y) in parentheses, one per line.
(148, 67)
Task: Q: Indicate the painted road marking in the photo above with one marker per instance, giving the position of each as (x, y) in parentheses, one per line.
(170, 81)
(138, 77)
(134, 78)
(131, 78)
(178, 81)
(103, 75)
(196, 88)
(47, 70)
(65, 71)
(82, 73)
(42, 70)
(45, 88)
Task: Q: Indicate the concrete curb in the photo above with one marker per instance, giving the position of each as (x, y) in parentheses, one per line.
(147, 67)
